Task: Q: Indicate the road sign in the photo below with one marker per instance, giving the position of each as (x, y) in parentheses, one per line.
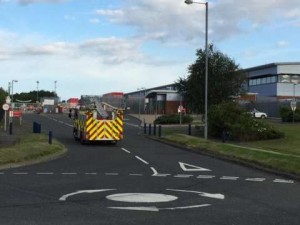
(5, 107)
(8, 100)
(293, 105)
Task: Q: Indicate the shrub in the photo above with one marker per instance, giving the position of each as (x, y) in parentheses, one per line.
(286, 114)
(173, 119)
(239, 124)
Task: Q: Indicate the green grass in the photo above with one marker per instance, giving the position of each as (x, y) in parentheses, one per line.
(282, 154)
(31, 147)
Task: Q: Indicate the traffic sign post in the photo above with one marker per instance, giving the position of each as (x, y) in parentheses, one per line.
(5, 107)
(293, 107)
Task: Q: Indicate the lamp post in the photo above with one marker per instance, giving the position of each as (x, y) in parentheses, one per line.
(12, 90)
(206, 61)
(140, 92)
(37, 91)
(55, 86)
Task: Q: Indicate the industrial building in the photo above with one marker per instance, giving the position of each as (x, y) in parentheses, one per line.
(268, 87)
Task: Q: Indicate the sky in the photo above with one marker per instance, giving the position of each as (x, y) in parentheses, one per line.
(93, 47)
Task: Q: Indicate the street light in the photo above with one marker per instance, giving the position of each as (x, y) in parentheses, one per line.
(12, 90)
(140, 92)
(206, 61)
(37, 91)
(55, 86)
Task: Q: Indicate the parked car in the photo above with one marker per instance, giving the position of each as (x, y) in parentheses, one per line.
(257, 114)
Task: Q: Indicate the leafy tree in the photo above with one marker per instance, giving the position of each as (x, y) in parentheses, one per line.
(225, 80)
(32, 95)
(3, 95)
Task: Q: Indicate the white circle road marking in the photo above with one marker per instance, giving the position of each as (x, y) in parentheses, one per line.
(141, 197)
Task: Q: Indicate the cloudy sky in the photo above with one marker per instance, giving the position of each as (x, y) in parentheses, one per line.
(101, 46)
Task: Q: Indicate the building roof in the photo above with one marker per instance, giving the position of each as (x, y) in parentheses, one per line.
(152, 93)
(265, 66)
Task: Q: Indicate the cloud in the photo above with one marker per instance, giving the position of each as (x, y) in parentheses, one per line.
(26, 2)
(183, 22)
(282, 44)
(94, 20)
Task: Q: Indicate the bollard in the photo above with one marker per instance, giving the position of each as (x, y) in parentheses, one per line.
(50, 137)
(159, 131)
(154, 130)
(34, 127)
(39, 128)
(190, 129)
(145, 128)
(150, 128)
(10, 128)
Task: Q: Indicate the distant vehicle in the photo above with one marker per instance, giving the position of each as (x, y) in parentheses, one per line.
(257, 114)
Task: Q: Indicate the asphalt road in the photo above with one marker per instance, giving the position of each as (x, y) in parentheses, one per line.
(140, 181)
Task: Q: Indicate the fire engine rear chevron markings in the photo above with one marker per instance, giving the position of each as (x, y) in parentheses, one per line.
(89, 125)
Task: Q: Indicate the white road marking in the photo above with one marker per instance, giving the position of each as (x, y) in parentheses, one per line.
(44, 173)
(125, 150)
(183, 176)
(206, 176)
(189, 167)
(186, 207)
(141, 160)
(112, 174)
(283, 181)
(20, 173)
(155, 209)
(141, 197)
(90, 173)
(69, 125)
(156, 174)
(1, 173)
(203, 194)
(64, 197)
(228, 178)
(69, 173)
(149, 209)
(255, 179)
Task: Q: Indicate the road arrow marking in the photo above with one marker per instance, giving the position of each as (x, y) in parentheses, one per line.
(189, 167)
(64, 197)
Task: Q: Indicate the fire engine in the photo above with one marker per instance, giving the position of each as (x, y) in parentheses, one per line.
(97, 122)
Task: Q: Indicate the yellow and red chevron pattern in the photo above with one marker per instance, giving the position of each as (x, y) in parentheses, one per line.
(97, 130)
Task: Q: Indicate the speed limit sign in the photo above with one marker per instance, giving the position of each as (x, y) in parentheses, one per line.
(5, 107)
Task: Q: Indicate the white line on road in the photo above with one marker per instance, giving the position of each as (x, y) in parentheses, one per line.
(112, 174)
(20, 173)
(156, 174)
(183, 176)
(206, 176)
(229, 178)
(90, 173)
(1, 173)
(125, 150)
(256, 179)
(64, 197)
(141, 160)
(283, 181)
(44, 173)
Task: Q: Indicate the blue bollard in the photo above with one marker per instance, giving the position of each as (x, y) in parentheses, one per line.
(50, 137)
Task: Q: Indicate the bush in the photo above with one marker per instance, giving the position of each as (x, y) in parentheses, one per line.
(173, 119)
(286, 114)
(238, 124)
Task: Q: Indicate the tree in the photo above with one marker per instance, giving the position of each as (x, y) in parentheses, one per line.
(32, 95)
(3, 95)
(225, 80)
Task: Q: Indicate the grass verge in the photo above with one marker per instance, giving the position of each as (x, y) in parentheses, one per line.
(29, 148)
(284, 162)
